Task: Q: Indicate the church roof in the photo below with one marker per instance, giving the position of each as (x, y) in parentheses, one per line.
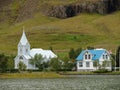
(23, 39)
(45, 53)
(27, 56)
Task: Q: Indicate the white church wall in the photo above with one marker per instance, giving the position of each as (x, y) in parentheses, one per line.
(26, 53)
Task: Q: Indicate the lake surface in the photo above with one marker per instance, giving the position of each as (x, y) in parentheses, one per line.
(80, 82)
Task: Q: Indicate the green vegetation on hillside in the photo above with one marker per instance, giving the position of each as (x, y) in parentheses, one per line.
(80, 31)
(83, 30)
(63, 2)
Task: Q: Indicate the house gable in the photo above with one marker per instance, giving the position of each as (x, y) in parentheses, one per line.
(87, 55)
(96, 54)
(105, 56)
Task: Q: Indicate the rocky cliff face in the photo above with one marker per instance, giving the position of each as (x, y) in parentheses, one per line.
(95, 6)
(15, 11)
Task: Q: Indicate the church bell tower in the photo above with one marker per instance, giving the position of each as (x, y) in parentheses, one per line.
(23, 46)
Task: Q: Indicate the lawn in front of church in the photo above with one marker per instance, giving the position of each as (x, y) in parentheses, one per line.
(31, 75)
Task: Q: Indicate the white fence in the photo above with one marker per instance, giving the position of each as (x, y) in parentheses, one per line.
(116, 68)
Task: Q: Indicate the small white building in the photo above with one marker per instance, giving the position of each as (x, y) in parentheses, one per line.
(25, 54)
(87, 59)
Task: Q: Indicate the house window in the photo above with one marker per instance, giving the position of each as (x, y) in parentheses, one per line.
(87, 64)
(80, 64)
(106, 56)
(89, 56)
(103, 56)
(85, 56)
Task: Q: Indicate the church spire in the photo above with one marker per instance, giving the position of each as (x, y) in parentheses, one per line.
(23, 46)
(23, 39)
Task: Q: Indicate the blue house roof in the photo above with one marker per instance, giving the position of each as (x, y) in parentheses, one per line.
(96, 54)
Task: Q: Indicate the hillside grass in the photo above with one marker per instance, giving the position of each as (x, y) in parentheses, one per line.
(63, 2)
(62, 34)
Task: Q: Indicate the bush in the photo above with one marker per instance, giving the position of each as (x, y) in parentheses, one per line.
(101, 71)
(14, 70)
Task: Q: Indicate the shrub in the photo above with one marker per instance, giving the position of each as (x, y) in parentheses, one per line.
(101, 71)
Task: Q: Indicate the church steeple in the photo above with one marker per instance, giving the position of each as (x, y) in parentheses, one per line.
(23, 46)
(23, 39)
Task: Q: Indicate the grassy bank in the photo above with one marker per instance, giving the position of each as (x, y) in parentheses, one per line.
(31, 75)
(51, 74)
(89, 73)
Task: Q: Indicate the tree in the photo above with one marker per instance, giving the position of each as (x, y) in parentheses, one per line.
(113, 62)
(10, 63)
(51, 48)
(77, 52)
(37, 61)
(3, 62)
(72, 53)
(89, 47)
(21, 66)
(104, 64)
(118, 56)
(46, 65)
(67, 64)
(55, 64)
(96, 64)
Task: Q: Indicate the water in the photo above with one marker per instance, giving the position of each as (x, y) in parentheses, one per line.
(81, 82)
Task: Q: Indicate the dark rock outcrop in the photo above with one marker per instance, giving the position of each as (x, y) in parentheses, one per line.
(95, 6)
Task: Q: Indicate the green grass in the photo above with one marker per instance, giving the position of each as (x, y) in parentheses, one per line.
(89, 73)
(51, 74)
(31, 75)
(63, 2)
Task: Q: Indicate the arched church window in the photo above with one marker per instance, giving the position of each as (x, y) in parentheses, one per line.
(21, 57)
(20, 50)
(26, 50)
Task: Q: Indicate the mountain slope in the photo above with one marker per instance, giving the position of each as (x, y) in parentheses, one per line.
(62, 34)
(82, 30)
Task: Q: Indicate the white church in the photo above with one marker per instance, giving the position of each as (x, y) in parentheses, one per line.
(25, 53)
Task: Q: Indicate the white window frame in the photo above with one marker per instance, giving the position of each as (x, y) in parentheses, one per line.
(86, 56)
(80, 64)
(89, 56)
(103, 56)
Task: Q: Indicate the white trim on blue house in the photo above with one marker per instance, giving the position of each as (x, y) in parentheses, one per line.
(85, 61)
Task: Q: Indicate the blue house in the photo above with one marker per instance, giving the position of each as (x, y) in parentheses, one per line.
(91, 60)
